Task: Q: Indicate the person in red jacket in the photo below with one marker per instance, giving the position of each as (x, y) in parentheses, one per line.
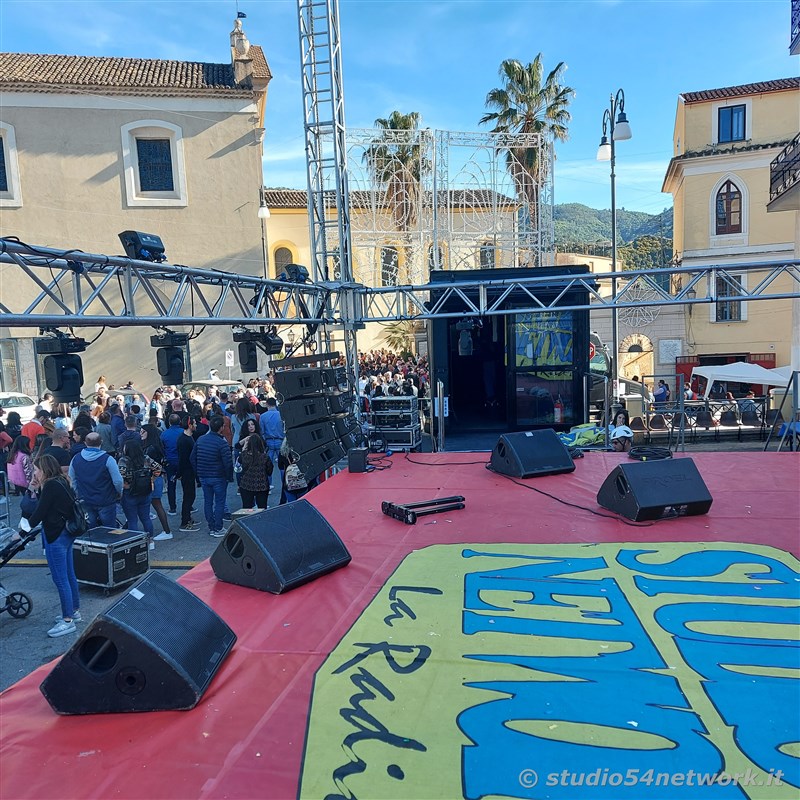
(35, 427)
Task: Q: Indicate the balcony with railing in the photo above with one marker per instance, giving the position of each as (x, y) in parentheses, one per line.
(794, 47)
(784, 178)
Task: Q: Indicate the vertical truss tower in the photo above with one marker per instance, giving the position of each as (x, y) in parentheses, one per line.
(326, 150)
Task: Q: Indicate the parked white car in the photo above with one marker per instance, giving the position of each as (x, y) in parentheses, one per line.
(219, 385)
(15, 401)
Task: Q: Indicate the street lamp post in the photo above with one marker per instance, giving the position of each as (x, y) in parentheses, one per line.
(615, 129)
(263, 215)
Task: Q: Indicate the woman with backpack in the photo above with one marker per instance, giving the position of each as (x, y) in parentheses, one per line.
(20, 464)
(137, 482)
(154, 451)
(54, 509)
(254, 478)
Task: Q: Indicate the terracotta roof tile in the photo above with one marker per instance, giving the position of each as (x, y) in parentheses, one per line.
(36, 72)
(782, 84)
(261, 69)
(296, 198)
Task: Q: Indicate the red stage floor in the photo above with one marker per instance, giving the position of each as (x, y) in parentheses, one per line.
(517, 648)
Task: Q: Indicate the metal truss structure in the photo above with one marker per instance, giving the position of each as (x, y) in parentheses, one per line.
(43, 287)
(74, 289)
(324, 124)
(326, 149)
(429, 199)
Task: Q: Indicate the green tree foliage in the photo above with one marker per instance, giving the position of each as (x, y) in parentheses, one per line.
(397, 166)
(399, 336)
(644, 241)
(529, 102)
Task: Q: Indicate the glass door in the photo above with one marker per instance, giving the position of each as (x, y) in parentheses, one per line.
(542, 375)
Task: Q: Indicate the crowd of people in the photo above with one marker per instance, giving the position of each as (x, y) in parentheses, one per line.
(122, 455)
(386, 374)
(136, 461)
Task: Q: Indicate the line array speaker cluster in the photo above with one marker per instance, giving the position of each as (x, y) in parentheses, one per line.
(317, 413)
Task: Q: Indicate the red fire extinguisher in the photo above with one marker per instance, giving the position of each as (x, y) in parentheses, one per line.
(558, 411)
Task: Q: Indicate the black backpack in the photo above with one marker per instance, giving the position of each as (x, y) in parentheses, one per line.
(141, 482)
(77, 523)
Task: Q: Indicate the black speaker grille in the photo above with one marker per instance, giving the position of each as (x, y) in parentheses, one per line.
(152, 606)
(293, 538)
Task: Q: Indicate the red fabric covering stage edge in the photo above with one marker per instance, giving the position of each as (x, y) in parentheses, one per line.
(246, 738)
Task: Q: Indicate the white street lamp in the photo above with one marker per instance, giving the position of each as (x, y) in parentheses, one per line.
(264, 215)
(616, 128)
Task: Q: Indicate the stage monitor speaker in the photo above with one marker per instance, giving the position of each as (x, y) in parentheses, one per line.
(529, 454)
(647, 490)
(308, 437)
(279, 549)
(155, 649)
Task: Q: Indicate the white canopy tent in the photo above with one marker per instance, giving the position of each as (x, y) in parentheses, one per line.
(740, 372)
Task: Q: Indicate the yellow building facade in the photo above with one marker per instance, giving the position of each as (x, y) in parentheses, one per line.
(97, 146)
(725, 144)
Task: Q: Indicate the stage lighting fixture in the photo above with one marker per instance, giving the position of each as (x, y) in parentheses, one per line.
(465, 343)
(268, 341)
(59, 344)
(169, 339)
(294, 273)
(63, 376)
(248, 356)
(465, 328)
(170, 364)
(143, 246)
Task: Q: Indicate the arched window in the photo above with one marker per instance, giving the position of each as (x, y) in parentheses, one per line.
(283, 256)
(728, 209)
(389, 259)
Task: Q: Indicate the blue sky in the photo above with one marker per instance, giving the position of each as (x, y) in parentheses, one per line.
(441, 57)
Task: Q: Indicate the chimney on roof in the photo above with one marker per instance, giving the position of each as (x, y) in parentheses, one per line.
(240, 58)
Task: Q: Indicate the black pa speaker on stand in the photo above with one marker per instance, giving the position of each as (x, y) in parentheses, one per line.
(531, 453)
(279, 549)
(647, 490)
(155, 649)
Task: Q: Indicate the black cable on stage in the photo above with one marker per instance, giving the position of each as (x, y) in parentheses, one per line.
(444, 463)
(571, 505)
(649, 453)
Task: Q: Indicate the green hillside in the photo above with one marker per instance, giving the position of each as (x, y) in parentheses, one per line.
(643, 240)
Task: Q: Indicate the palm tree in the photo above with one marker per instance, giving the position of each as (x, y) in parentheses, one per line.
(527, 104)
(396, 166)
(396, 162)
(399, 335)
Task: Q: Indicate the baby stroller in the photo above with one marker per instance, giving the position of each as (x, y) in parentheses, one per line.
(18, 604)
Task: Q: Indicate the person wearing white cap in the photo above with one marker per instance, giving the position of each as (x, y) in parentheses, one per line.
(621, 439)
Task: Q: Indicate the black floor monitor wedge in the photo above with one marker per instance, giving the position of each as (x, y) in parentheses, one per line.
(157, 648)
(279, 549)
(648, 490)
(531, 453)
